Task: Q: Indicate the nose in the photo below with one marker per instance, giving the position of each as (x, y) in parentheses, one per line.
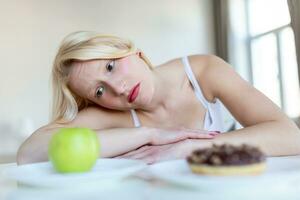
(117, 86)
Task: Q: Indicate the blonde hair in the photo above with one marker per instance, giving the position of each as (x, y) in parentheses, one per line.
(82, 46)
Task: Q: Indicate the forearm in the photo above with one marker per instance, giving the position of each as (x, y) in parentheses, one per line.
(117, 141)
(274, 138)
(112, 142)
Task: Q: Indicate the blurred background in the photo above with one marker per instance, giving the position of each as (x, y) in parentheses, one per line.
(257, 37)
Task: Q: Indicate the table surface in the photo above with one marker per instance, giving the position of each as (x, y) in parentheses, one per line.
(135, 187)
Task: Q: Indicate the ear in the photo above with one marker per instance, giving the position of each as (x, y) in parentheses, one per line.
(139, 53)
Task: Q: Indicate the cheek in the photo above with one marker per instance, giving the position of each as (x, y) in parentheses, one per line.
(124, 65)
(109, 102)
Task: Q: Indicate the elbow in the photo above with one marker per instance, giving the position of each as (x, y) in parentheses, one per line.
(287, 125)
(23, 155)
(297, 140)
(26, 155)
(28, 152)
(294, 137)
(34, 149)
(293, 129)
(25, 151)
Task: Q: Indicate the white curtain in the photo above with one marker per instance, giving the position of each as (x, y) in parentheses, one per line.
(221, 18)
(294, 7)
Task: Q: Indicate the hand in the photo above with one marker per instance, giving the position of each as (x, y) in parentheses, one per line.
(179, 150)
(171, 135)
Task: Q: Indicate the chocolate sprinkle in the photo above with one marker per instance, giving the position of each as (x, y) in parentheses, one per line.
(226, 154)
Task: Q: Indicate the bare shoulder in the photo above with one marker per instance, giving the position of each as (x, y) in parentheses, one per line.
(97, 118)
(197, 60)
(218, 80)
(214, 73)
(205, 68)
(221, 81)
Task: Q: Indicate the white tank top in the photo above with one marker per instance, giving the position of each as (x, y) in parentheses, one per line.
(213, 120)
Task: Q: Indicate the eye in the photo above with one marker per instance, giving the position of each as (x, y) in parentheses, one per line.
(99, 91)
(110, 65)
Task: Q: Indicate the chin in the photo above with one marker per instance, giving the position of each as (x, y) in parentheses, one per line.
(109, 107)
(148, 99)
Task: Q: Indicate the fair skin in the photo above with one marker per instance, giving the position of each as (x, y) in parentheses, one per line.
(265, 125)
(111, 119)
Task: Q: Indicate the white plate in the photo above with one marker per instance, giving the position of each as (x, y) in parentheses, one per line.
(104, 171)
(279, 172)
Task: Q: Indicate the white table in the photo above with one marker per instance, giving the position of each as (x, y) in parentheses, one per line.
(137, 188)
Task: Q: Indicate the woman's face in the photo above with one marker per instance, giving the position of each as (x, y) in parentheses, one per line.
(109, 83)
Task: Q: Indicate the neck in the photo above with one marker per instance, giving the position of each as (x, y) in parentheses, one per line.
(164, 91)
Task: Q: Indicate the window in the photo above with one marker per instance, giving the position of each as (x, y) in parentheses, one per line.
(272, 53)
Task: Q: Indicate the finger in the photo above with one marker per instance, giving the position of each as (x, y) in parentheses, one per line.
(152, 152)
(201, 136)
(193, 135)
(201, 131)
(125, 157)
(134, 157)
(143, 154)
(149, 160)
(121, 156)
(192, 130)
(139, 150)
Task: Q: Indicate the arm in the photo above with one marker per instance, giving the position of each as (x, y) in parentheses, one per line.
(35, 148)
(265, 125)
(113, 141)
(273, 138)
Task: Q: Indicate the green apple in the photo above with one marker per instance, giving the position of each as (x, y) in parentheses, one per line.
(74, 150)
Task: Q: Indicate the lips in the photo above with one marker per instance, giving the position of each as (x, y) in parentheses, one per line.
(133, 93)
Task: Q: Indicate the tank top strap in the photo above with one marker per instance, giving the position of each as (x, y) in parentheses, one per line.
(194, 82)
(208, 119)
(135, 118)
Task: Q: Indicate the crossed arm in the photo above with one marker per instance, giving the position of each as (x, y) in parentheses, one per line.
(264, 124)
(113, 141)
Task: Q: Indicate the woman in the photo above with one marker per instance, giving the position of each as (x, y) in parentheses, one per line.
(103, 82)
